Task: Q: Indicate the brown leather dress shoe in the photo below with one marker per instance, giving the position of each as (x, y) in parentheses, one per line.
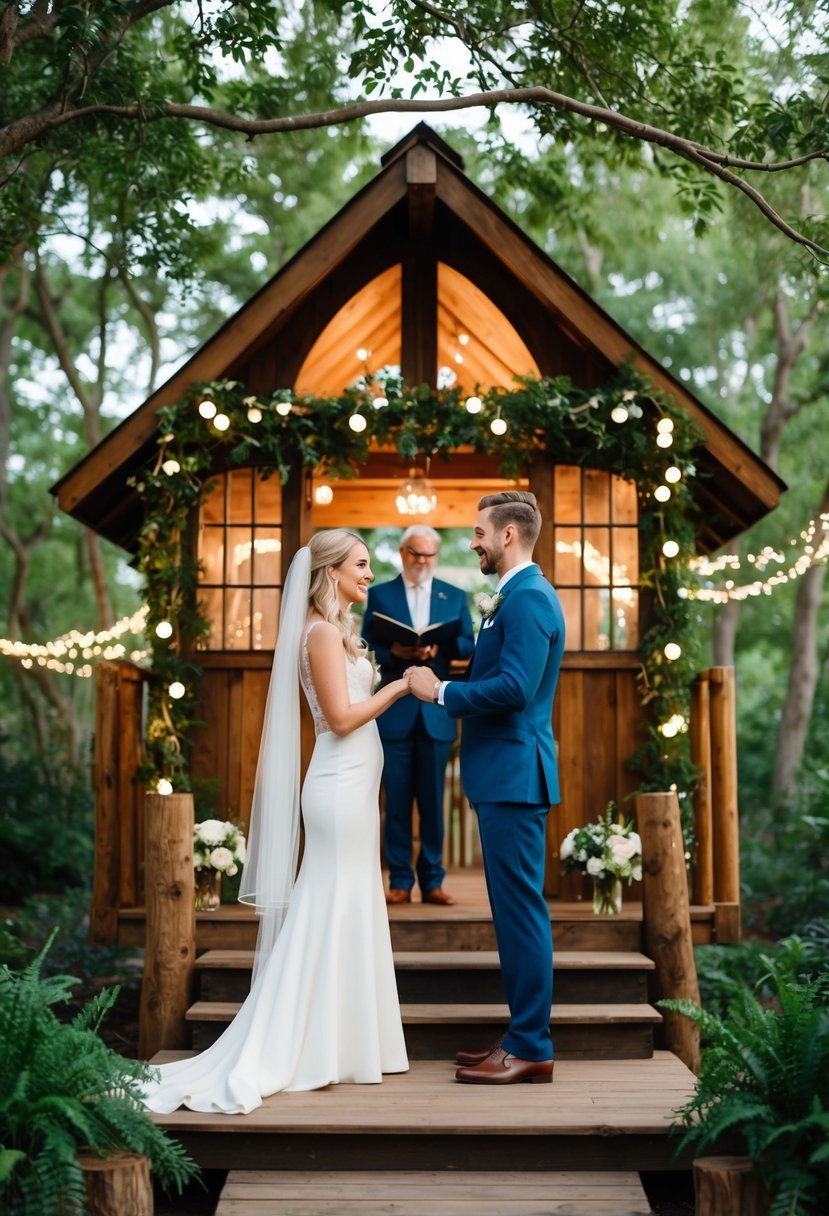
(395, 895)
(501, 1068)
(476, 1056)
(437, 896)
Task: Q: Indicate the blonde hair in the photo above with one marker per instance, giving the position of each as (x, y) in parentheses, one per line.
(331, 548)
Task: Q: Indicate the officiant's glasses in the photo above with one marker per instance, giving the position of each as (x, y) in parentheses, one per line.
(418, 556)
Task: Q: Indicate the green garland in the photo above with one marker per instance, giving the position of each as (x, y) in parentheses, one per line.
(543, 416)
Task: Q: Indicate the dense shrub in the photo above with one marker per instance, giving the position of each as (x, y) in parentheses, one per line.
(725, 972)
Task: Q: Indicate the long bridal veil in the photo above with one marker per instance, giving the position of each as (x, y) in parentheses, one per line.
(273, 843)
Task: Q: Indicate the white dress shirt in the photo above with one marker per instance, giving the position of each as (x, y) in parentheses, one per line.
(419, 598)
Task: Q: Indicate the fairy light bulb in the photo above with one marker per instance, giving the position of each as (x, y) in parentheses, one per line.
(221, 422)
(672, 651)
(619, 414)
(176, 690)
(664, 439)
(463, 339)
(323, 495)
(171, 466)
(670, 548)
(207, 408)
(380, 403)
(662, 493)
(498, 426)
(673, 474)
(164, 629)
(474, 405)
(362, 354)
(665, 425)
(357, 422)
(254, 414)
(283, 408)
(164, 786)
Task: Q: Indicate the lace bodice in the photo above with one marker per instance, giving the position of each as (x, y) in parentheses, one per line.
(359, 674)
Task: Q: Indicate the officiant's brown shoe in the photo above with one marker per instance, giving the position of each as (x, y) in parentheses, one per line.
(501, 1068)
(437, 896)
(476, 1056)
(395, 895)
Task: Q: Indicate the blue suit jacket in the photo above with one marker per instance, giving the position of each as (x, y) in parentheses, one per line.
(447, 602)
(506, 702)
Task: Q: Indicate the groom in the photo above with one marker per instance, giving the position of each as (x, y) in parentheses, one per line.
(510, 774)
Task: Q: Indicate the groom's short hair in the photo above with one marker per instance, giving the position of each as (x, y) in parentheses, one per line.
(517, 507)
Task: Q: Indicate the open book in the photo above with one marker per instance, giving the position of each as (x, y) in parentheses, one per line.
(387, 629)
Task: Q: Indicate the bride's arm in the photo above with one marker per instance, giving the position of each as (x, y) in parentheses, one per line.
(325, 651)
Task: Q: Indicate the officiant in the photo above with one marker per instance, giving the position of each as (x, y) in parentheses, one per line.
(416, 736)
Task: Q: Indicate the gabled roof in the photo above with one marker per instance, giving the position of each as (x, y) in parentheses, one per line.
(736, 488)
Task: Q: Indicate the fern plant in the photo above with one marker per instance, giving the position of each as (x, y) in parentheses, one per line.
(62, 1089)
(764, 1085)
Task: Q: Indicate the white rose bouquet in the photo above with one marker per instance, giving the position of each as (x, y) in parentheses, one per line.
(218, 845)
(608, 851)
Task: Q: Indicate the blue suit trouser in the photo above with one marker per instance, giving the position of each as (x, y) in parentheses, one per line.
(414, 768)
(513, 843)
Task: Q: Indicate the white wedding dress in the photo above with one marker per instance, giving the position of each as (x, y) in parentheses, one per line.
(324, 1008)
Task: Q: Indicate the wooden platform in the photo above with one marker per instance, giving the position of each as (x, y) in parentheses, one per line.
(413, 1193)
(599, 1115)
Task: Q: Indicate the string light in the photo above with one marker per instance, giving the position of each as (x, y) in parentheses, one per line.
(164, 629)
(171, 466)
(672, 651)
(670, 548)
(675, 725)
(221, 422)
(664, 426)
(176, 690)
(207, 409)
(357, 422)
(283, 408)
(254, 414)
(164, 786)
(61, 654)
(363, 354)
(474, 405)
(498, 426)
(814, 551)
(619, 414)
(324, 495)
(664, 439)
(380, 402)
(662, 493)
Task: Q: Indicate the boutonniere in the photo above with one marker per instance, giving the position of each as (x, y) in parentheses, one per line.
(441, 595)
(488, 605)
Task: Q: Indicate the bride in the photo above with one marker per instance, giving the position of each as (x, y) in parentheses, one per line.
(323, 1004)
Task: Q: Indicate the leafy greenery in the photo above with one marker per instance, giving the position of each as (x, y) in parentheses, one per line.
(764, 1087)
(726, 971)
(62, 1089)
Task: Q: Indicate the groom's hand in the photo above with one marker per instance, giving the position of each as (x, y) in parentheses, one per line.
(422, 682)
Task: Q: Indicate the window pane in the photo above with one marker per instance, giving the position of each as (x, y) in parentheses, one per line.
(568, 556)
(239, 556)
(596, 556)
(597, 619)
(211, 554)
(567, 496)
(265, 615)
(596, 497)
(268, 500)
(213, 504)
(626, 619)
(237, 618)
(625, 556)
(239, 501)
(571, 607)
(211, 604)
(267, 556)
(624, 501)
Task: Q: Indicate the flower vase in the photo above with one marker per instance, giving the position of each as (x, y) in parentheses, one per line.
(607, 896)
(208, 889)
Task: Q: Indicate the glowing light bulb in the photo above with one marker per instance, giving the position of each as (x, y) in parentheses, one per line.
(670, 548)
(177, 690)
(662, 493)
(283, 408)
(254, 414)
(357, 422)
(207, 408)
(221, 422)
(672, 651)
(380, 403)
(463, 339)
(664, 439)
(164, 786)
(323, 495)
(362, 354)
(619, 414)
(673, 474)
(171, 466)
(164, 629)
(474, 405)
(664, 426)
(498, 426)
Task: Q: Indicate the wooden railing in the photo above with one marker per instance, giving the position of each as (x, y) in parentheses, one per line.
(716, 874)
(119, 798)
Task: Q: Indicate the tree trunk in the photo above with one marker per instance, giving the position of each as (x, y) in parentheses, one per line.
(726, 623)
(803, 679)
(117, 1185)
(728, 1186)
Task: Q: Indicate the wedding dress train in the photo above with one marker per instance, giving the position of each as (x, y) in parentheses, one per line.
(323, 1008)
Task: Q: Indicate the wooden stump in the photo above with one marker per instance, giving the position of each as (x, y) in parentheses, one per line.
(170, 948)
(667, 917)
(118, 1185)
(727, 1186)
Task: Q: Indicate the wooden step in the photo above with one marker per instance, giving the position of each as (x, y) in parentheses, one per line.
(597, 1115)
(461, 976)
(413, 1193)
(580, 1031)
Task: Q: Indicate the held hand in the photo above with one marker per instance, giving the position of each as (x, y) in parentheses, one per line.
(421, 682)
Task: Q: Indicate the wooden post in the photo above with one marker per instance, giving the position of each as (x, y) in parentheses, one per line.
(667, 916)
(103, 916)
(117, 1185)
(726, 825)
(170, 947)
(703, 872)
(727, 1186)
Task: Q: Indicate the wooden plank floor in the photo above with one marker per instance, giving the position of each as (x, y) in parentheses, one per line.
(412, 1193)
(587, 1098)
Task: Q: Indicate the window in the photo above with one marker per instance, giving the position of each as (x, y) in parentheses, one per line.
(596, 558)
(240, 551)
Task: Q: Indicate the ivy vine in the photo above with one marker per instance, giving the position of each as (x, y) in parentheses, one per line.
(612, 427)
